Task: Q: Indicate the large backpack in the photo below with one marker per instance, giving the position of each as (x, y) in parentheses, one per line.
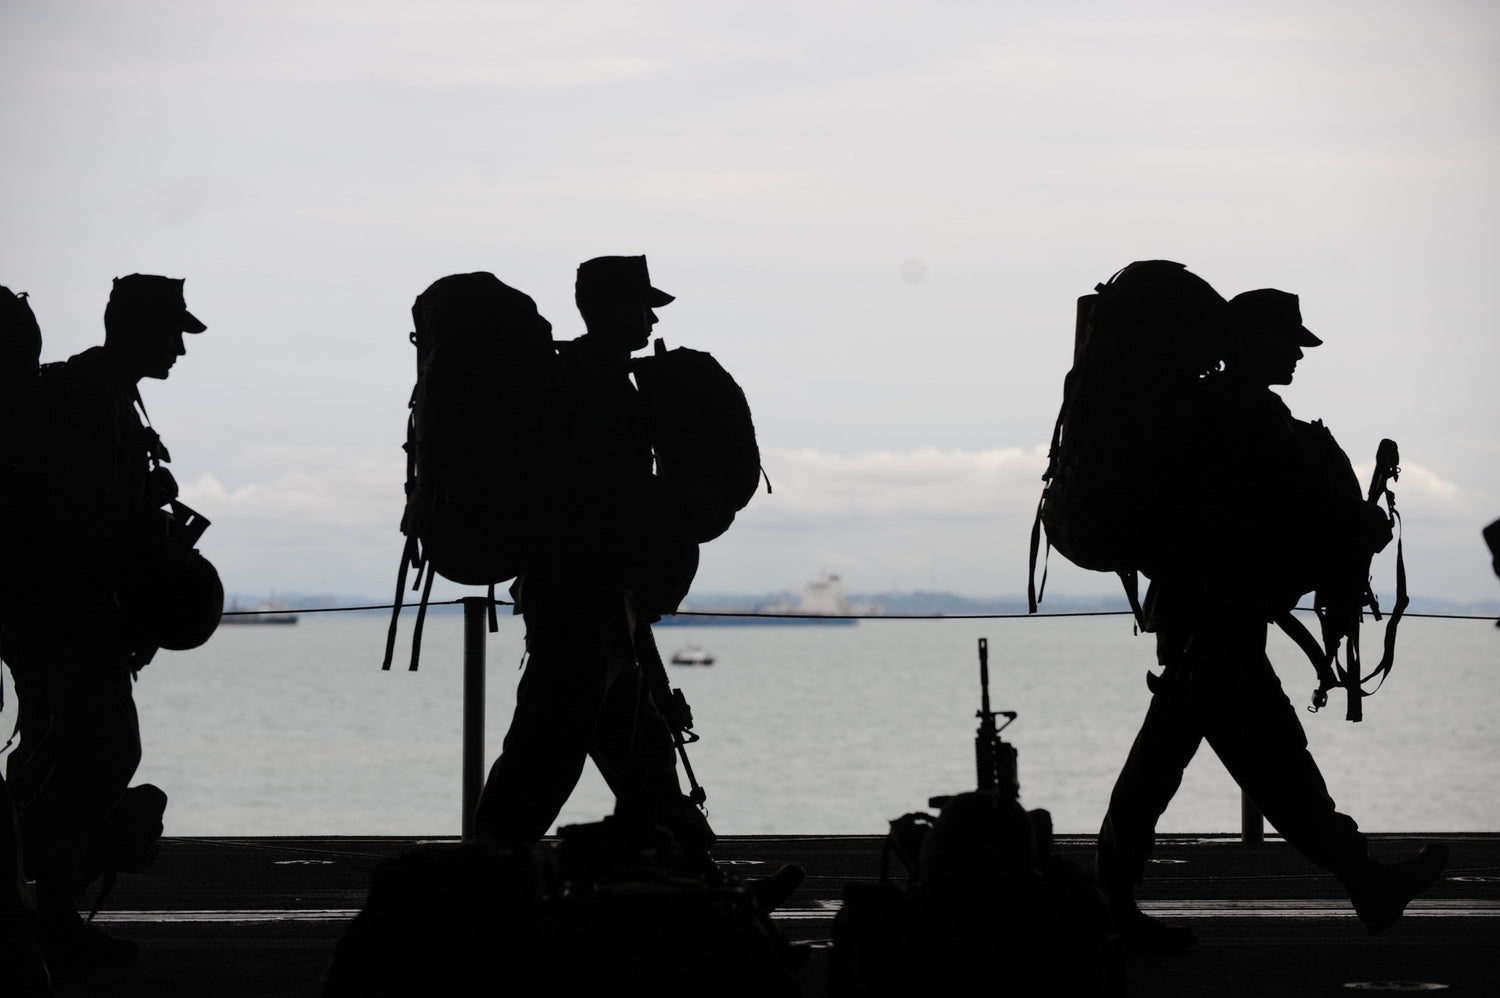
(1114, 497)
(701, 434)
(484, 359)
(20, 350)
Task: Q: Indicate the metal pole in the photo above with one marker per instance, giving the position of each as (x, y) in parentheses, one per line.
(476, 611)
(1252, 824)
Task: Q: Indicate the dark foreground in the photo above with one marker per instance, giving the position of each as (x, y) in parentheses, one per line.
(260, 916)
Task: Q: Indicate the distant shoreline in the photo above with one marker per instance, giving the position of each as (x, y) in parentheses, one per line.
(739, 607)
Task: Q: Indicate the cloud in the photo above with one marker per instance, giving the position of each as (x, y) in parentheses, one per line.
(325, 520)
(925, 483)
(1418, 485)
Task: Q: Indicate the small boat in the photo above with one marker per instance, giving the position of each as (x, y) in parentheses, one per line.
(692, 655)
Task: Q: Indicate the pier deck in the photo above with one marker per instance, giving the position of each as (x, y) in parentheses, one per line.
(259, 916)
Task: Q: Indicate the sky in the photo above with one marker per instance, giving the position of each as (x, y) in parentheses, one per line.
(876, 215)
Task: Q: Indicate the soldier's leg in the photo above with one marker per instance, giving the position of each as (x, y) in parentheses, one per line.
(1168, 738)
(557, 706)
(1264, 747)
(84, 748)
(20, 952)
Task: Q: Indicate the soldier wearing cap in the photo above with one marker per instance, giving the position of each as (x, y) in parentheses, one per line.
(100, 483)
(599, 569)
(1277, 504)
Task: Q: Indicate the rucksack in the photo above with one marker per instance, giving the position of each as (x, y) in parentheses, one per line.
(20, 351)
(1112, 500)
(984, 888)
(701, 433)
(484, 359)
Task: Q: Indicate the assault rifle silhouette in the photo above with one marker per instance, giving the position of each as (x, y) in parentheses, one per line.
(671, 703)
(994, 758)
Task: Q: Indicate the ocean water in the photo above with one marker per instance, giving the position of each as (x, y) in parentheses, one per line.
(295, 730)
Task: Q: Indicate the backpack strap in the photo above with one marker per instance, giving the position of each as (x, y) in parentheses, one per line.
(416, 634)
(1388, 650)
(1131, 581)
(1034, 590)
(409, 556)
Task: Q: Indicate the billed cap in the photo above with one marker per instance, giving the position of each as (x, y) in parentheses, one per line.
(1277, 310)
(156, 297)
(618, 277)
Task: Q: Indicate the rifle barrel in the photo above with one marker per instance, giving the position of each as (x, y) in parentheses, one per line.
(984, 677)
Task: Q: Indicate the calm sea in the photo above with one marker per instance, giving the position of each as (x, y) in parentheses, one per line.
(288, 730)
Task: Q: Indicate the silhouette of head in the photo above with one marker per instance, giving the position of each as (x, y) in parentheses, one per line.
(1268, 336)
(615, 298)
(144, 322)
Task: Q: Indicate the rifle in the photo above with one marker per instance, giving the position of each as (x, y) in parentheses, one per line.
(670, 702)
(994, 758)
(1341, 620)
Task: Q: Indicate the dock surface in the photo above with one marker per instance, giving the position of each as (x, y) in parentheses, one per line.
(253, 917)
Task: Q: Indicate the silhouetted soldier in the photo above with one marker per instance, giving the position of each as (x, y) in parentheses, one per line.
(75, 640)
(610, 550)
(21, 961)
(1276, 513)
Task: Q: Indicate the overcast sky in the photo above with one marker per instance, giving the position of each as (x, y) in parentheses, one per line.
(876, 215)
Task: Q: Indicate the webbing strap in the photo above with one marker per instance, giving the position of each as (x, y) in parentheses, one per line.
(408, 556)
(1388, 654)
(1131, 580)
(1033, 591)
(416, 634)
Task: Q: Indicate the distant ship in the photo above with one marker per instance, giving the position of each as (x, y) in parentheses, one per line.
(822, 603)
(266, 612)
(692, 655)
